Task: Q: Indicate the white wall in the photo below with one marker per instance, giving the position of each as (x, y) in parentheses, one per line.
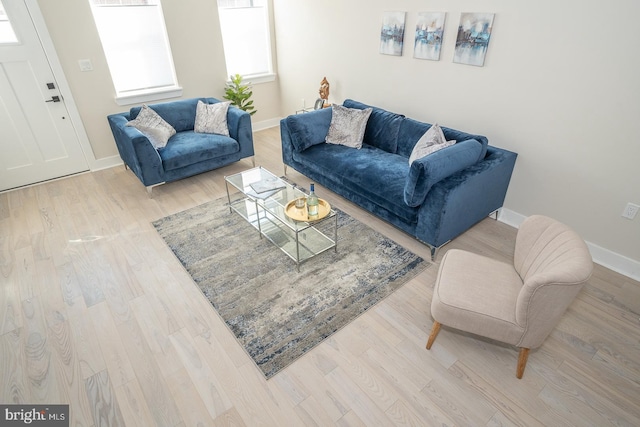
(560, 87)
(196, 43)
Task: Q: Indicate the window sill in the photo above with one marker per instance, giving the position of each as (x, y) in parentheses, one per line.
(141, 96)
(258, 78)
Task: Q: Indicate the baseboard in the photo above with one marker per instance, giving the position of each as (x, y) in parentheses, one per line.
(105, 163)
(605, 257)
(265, 124)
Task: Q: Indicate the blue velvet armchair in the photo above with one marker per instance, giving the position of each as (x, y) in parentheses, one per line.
(187, 153)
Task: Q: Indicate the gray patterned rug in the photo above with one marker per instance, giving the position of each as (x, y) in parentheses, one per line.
(275, 312)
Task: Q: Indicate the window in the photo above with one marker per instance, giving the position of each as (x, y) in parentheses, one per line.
(246, 37)
(7, 35)
(135, 42)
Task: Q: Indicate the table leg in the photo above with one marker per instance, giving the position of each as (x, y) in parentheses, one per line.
(258, 218)
(226, 184)
(335, 235)
(297, 252)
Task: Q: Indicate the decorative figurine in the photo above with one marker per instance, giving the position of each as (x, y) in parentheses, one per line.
(324, 91)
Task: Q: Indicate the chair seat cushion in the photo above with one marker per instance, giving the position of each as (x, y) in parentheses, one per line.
(187, 148)
(477, 294)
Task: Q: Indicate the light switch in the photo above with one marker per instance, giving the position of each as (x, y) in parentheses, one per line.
(85, 65)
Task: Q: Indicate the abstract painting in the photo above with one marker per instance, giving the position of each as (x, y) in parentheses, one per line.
(429, 31)
(474, 33)
(392, 33)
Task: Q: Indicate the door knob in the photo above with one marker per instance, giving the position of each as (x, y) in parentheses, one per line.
(54, 99)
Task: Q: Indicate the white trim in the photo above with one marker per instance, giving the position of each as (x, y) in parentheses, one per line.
(510, 217)
(605, 257)
(265, 124)
(614, 261)
(63, 85)
(258, 78)
(146, 95)
(106, 163)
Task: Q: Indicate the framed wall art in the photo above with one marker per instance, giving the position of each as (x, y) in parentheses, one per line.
(428, 37)
(474, 34)
(392, 33)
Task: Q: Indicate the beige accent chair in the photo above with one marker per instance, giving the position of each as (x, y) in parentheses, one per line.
(517, 303)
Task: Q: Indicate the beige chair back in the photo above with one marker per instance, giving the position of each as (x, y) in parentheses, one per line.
(554, 263)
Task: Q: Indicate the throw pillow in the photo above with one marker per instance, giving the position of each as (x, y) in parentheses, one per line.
(432, 141)
(153, 127)
(347, 126)
(212, 118)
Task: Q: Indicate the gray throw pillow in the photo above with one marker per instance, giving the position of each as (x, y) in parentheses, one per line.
(432, 141)
(347, 126)
(212, 118)
(153, 127)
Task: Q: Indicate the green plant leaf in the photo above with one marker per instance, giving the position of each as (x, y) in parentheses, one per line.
(239, 94)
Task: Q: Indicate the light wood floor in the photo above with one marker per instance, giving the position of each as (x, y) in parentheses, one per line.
(96, 312)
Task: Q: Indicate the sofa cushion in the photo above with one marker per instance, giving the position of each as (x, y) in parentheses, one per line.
(432, 141)
(309, 128)
(212, 118)
(428, 150)
(382, 128)
(461, 136)
(429, 170)
(369, 173)
(412, 130)
(153, 127)
(179, 114)
(347, 126)
(187, 148)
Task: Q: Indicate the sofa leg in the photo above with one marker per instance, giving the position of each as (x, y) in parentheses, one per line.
(253, 161)
(435, 249)
(150, 189)
(285, 169)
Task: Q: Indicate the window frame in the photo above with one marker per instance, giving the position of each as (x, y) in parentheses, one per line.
(270, 74)
(141, 95)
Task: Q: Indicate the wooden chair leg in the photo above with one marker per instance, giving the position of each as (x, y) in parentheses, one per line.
(434, 333)
(522, 362)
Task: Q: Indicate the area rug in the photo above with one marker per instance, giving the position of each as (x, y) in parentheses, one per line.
(276, 313)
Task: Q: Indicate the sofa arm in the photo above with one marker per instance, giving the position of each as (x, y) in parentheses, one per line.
(136, 150)
(308, 129)
(457, 203)
(239, 124)
(287, 145)
(429, 170)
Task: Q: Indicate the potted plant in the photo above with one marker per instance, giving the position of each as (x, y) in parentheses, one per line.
(239, 94)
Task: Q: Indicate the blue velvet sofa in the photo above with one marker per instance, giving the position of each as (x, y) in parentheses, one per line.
(435, 199)
(187, 153)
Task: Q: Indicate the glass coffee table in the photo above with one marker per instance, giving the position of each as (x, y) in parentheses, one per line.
(266, 211)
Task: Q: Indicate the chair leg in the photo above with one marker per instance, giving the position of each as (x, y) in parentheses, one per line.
(434, 333)
(522, 362)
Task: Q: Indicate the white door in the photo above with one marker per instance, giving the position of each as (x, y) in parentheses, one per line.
(37, 139)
